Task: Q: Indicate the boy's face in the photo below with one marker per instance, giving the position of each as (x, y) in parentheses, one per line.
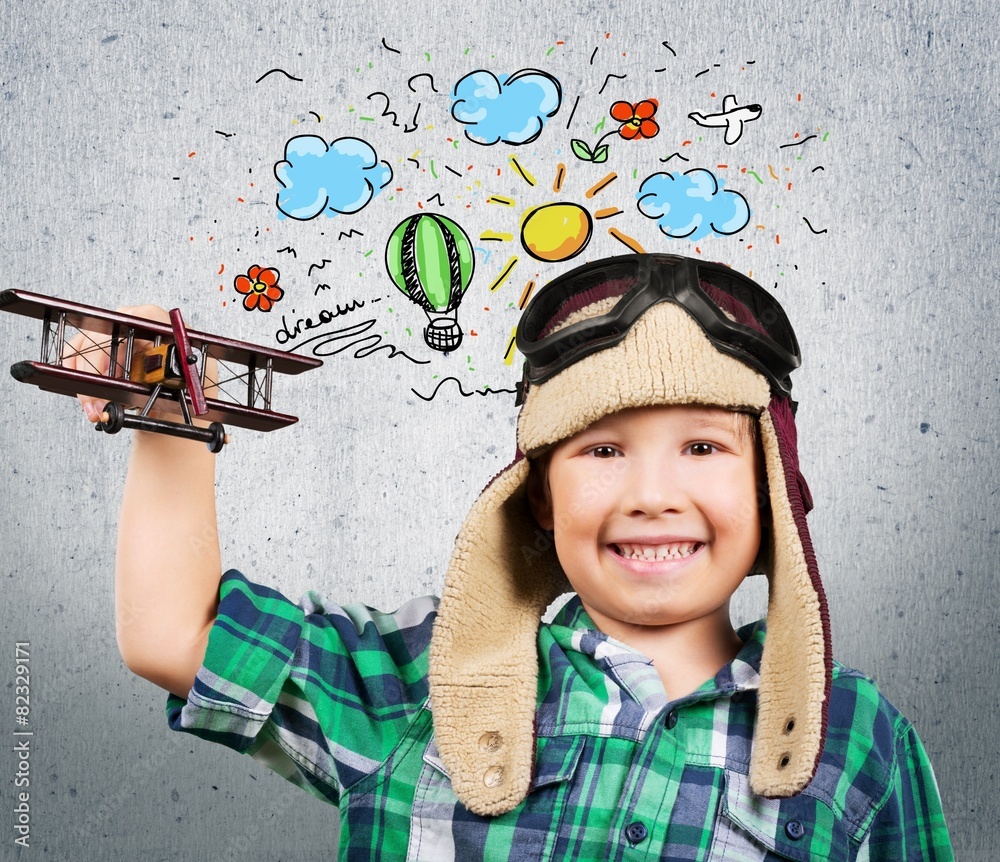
(675, 483)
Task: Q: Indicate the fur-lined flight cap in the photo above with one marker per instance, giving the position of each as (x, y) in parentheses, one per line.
(665, 347)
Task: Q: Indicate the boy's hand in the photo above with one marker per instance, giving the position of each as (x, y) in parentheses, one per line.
(90, 352)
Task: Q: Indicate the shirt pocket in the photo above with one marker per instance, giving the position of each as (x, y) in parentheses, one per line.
(442, 828)
(751, 828)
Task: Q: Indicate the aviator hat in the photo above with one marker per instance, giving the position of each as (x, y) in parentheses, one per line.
(629, 331)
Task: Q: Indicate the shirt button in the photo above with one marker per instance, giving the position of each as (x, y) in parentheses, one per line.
(672, 719)
(490, 742)
(493, 776)
(794, 829)
(636, 832)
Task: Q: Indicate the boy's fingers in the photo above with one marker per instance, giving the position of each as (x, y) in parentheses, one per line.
(88, 351)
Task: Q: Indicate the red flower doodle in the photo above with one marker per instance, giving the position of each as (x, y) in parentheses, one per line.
(637, 120)
(259, 288)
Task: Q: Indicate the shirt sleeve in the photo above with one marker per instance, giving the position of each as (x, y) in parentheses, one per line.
(319, 693)
(910, 825)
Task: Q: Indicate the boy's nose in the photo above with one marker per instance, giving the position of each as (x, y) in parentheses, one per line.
(652, 490)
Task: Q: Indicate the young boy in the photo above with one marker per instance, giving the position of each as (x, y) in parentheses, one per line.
(656, 467)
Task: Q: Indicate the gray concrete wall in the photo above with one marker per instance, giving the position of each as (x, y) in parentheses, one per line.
(137, 147)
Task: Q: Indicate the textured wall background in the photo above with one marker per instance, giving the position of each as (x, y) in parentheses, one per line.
(137, 147)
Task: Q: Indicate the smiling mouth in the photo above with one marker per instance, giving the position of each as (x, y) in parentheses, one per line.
(674, 551)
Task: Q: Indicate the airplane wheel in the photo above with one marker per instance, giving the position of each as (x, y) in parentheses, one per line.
(116, 418)
(218, 438)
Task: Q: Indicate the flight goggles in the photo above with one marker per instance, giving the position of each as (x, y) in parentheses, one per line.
(642, 280)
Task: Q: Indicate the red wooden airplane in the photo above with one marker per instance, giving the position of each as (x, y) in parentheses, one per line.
(170, 374)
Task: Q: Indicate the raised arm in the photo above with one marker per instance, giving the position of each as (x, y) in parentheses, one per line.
(168, 565)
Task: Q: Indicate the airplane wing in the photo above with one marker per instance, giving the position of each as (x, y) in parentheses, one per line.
(243, 395)
(728, 103)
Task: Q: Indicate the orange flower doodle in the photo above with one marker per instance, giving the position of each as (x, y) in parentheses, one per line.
(259, 288)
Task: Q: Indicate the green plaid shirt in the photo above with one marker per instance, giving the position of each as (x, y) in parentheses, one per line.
(335, 700)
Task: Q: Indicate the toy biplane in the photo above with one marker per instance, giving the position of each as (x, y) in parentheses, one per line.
(170, 374)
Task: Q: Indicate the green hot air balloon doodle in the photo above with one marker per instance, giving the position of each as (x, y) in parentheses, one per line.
(429, 258)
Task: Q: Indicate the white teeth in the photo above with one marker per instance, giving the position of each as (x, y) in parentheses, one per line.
(657, 552)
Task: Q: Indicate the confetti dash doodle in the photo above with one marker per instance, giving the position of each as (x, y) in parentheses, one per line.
(486, 390)
(429, 258)
(394, 50)
(513, 111)
(825, 230)
(280, 71)
(635, 121)
(607, 78)
(259, 288)
(349, 234)
(692, 205)
(319, 119)
(797, 143)
(671, 50)
(452, 170)
(339, 178)
(594, 54)
(289, 250)
(556, 231)
(731, 117)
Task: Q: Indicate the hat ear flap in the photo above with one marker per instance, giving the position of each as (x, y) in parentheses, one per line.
(483, 671)
(796, 664)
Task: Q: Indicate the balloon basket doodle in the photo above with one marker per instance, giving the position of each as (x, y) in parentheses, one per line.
(443, 333)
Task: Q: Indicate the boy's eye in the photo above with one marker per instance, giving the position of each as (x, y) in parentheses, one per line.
(604, 451)
(702, 448)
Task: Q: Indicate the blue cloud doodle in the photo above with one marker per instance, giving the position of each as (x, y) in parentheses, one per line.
(338, 178)
(692, 205)
(514, 111)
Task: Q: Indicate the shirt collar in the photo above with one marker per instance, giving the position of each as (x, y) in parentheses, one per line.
(634, 670)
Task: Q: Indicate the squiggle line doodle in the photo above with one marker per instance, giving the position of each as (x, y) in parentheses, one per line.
(812, 228)
(671, 50)
(440, 202)
(349, 234)
(427, 75)
(272, 71)
(486, 390)
(366, 345)
(797, 143)
(385, 111)
(225, 134)
(608, 78)
(413, 128)
(289, 249)
(318, 265)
